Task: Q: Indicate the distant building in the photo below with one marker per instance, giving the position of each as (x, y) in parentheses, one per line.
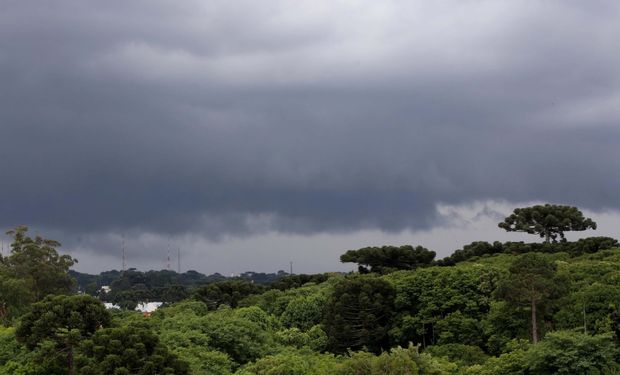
(148, 307)
(109, 306)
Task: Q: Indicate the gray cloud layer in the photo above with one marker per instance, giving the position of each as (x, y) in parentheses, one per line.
(225, 117)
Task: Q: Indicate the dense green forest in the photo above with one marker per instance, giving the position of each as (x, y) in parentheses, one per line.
(489, 308)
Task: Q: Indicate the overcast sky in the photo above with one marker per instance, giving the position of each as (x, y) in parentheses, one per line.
(251, 134)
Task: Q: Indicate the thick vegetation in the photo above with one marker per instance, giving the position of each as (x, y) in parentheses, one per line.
(512, 308)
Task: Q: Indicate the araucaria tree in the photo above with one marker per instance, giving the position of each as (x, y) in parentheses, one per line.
(388, 259)
(548, 221)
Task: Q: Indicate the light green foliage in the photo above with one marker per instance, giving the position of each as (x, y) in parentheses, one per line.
(461, 354)
(304, 312)
(561, 352)
(240, 338)
(255, 314)
(292, 362)
(568, 353)
(315, 338)
(15, 358)
(243, 335)
(182, 331)
(276, 301)
(510, 363)
(397, 361)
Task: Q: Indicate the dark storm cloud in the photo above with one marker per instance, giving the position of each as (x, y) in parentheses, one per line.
(234, 117)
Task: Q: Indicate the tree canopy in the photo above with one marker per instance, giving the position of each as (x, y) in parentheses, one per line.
(548, 221)
(532, 279)
(386, 259)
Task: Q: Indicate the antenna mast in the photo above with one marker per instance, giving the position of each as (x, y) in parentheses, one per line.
(123, 248)
(168, 259)
(179, 260)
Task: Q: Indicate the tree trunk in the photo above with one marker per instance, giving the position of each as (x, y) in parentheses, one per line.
(70, 361)
(534, 325)
(547, 237)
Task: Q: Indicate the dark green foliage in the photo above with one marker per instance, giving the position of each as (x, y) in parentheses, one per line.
(548, 221)
(296, 281)
(226, 293)
(83, 313)
(358, 313)
(480, 248)
(127, 350)
(387, 259)
(531, 281)
(502, 324)
(428, 296)
(61, 322)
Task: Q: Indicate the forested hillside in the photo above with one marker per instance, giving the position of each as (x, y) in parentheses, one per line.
(516, 308)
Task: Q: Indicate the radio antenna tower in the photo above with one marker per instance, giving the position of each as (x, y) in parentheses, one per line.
(123, 250)
(179, 260)
(168, 259)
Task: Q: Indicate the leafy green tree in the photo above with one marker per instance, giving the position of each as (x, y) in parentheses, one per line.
(395, 361)
(33, 270)
(568, 353)
(531, 281)
(292, 362)
(15, 296)
(228, 293)
(358, 313)
(548, 221)
(512, 362)
(589, 309)
(428, 296)
(387, 259)
(64, 321)
(502, 324)
(315, 338)
(461, 354)
(296, 281)
(304, 312)
(127, 350)
(181, 329)
(36, 261)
